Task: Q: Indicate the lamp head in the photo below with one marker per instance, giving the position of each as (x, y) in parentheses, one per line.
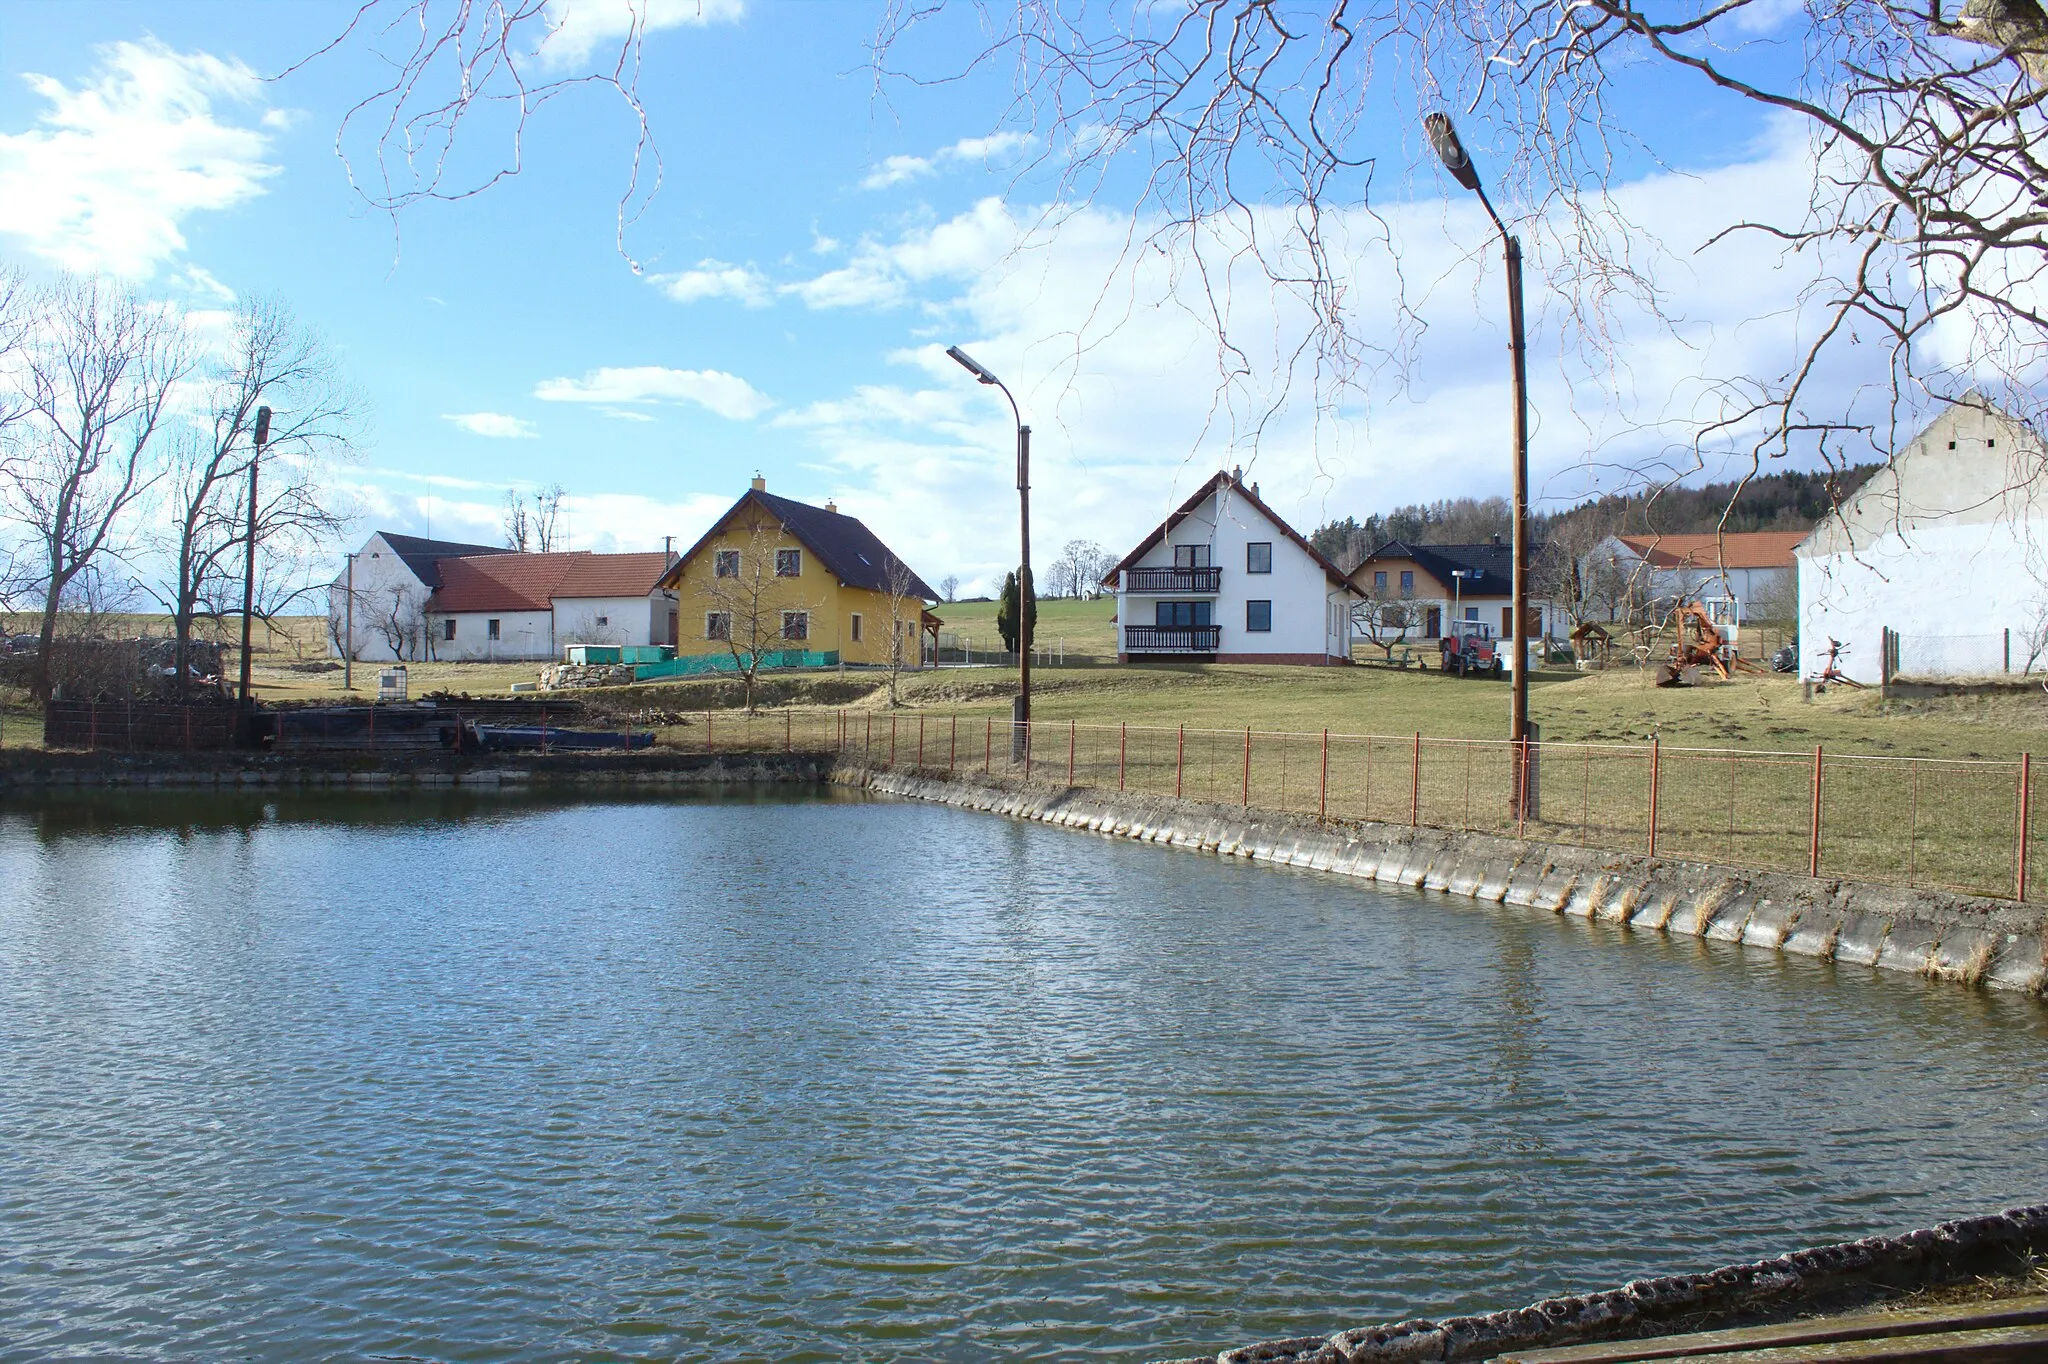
(1443, 137)
(262, 427)
(971, 365)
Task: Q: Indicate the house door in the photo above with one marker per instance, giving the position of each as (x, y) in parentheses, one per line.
(674, 637)
(1433, 626)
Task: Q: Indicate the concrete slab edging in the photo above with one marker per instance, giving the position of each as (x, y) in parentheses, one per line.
(2000, 944)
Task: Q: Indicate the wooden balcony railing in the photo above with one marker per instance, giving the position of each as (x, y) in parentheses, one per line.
(1172, 639)
(1208, 580)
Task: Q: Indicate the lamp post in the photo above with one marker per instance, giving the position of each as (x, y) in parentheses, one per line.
(1020, 709)
(1443, 137)
(1458, 576)
(348, 630)
(249, 548)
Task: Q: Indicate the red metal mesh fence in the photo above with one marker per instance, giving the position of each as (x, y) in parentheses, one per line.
(1949, 824)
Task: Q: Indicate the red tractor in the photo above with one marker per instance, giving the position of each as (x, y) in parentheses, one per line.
(1469, 647)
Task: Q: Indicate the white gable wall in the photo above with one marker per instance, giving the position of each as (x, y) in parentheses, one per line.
(382, 582)
(1947, 547)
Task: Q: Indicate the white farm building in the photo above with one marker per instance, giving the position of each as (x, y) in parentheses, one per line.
(410, 598)
(1947, 545)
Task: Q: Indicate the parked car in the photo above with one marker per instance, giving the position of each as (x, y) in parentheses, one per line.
(1469, 647)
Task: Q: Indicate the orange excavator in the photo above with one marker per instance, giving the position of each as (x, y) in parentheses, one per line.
(1701, 644)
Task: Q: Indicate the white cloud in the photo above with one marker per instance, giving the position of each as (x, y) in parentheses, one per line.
(580, 27)
(496, 425)
(727, 395)
(716, 279)
(895, 170)
(112, 168)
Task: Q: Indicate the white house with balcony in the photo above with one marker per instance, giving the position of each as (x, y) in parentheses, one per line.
(1226, 580)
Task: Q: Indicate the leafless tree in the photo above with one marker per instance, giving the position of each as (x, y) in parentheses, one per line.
(1385, 618)
(549, 531)
(906, 624)
(1253, 127)
(949, 586)
(400, 616)
(518, 522)
(1578, 572)
(274, 362)
(748, 608)
(96, 376)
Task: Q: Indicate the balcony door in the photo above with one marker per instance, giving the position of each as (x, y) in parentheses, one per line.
(1181, 614)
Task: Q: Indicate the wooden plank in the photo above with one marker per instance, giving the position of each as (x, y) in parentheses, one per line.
(1999, 1345)
(2025, 1311)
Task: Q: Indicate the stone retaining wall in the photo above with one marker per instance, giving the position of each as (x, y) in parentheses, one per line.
(1825, 1278)
(25, 774)
(1998, 943)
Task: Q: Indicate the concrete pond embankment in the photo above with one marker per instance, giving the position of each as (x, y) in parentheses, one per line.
(1975, 941)
(27, 773)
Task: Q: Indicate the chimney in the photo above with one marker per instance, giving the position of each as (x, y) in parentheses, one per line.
(760, 484)
(1237, 473)
(1255, 490)
(831, 506)
(1496, 539)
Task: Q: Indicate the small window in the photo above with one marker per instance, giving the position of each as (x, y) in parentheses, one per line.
(448, 628)
(1258, 557)
(491, 628)
(1258, 616)
(796, 625)
(1991, 444)
(718, 625)
(725, 564)
(603, 621)
(856, 627)
(1407, 582)
(1472, 613)
(789, 563)
(1379, 581)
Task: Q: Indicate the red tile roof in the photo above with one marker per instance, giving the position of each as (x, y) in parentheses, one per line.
(1745, 549)
(532, 582)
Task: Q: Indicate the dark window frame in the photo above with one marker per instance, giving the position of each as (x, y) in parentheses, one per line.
(802, 622)
(1251, 556)
(1251, 617)
(794, 557)
(725, 563)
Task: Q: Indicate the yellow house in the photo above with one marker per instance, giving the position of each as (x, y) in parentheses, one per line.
(775, 575)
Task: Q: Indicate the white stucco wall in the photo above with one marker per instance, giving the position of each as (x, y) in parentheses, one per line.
(1311, 615)
(522, 635)
(629, 620)
(379, 572)
(1947, 546)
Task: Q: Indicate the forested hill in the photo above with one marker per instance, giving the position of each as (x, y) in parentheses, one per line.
(1787, 501)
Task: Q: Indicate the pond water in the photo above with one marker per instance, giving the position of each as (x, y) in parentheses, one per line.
(773, 1078)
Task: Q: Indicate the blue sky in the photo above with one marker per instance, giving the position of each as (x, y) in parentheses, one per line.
(813, 247)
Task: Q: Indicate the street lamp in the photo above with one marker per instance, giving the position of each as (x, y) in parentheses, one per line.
(1443, 137)
(1020, 709)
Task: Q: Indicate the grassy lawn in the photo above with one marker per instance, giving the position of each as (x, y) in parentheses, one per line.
(1086, 627)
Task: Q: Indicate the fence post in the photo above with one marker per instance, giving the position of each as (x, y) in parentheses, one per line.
(1073, 727)
(952, 748)
(1415, 785)
(892, 741)
(1027, 750)
(1180, 757)
(1123, 738)
(1813, 847)
(788, 723)
(920, 741)
(1247, 767)
(1522, 787)
(2026, 813)
(867, 742)
(1323, 787)
(1655, 754)
(988, 740)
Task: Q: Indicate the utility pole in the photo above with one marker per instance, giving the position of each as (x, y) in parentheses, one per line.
(1020, 709)
(249, 550)
(348, 642)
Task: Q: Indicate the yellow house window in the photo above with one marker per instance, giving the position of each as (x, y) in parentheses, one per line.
(789, 563)
(796, 625)
(726, 563)
(718, 625)
(856, 628)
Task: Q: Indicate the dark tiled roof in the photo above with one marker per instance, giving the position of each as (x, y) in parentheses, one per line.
(1222, 480)
(842, 543)
(1494, 565)
(421, 555)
